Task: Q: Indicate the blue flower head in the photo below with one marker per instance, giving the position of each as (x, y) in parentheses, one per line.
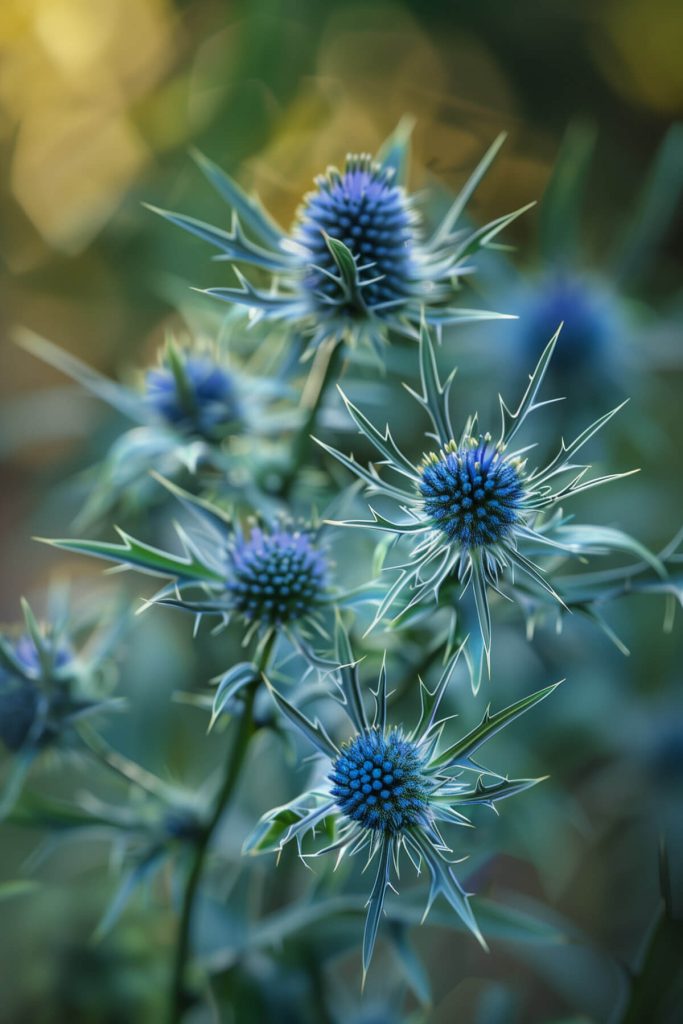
(359, 261)
(276, 577)
(591, 319)
(389, 790)
(472, 494)
(34, 671)
(380, 782)
(192, 413)
(195, 395)
(369, 213)
(47, 685)
(19, 700)
(473, 507)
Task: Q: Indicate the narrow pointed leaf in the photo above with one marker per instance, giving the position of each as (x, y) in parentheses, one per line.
(314, 731)
(511, 422)
(395, 151)
(249, 210)
(489, 726)
(141, 556)
(376, 901)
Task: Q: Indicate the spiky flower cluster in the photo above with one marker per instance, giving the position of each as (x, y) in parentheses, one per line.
(368, 212)
(472, 493)
(470, 506)
(195, 396)
(389, 791)
(359, 262)
(378, 781)
(276, 577)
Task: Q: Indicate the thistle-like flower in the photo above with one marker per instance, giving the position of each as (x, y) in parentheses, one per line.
(46, 688)
(196, 395)
(192, 412)
(277, 576)
(388, 790)
(359, 261)
(273, 577)
(472, 504)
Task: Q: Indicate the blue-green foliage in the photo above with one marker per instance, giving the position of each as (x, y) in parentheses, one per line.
(463, 522)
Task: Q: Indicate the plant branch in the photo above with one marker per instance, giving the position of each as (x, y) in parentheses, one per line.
(246, 728)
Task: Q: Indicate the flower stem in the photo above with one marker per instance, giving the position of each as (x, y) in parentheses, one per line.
(245, 730)
(324, 371)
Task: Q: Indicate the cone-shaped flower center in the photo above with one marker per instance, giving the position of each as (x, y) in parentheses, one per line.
(276, 577)
(205, 402)
(362, 208)
(379, 781)
(473, 494)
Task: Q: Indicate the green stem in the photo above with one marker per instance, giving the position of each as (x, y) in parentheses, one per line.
(317, 386)
(246, 729)
(656, 988)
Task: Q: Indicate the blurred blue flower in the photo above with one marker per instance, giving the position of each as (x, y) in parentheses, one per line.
(590, 315)
(359, 262)
(192, 412)
(389, 790)
(47, 687)
(19, 699)
(195, 396)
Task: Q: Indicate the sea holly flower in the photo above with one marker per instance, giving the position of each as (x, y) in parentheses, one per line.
(193, 412)
(590, 314)
(359, 261)
(610, 336)
(473, 508)
(389, 790)
(274, 577)
(52, 677)
(195, 395)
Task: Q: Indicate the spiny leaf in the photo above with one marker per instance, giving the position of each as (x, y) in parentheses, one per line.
(118, 397)
(229, 685)
(349, 683)
(141, 556)
(465, 194)
(376, 902)
(249, 209)
(489, 726)
(511, 422)
(314, 731)
(233, 244)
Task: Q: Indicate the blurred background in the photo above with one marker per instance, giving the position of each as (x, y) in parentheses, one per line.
(100, 101)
